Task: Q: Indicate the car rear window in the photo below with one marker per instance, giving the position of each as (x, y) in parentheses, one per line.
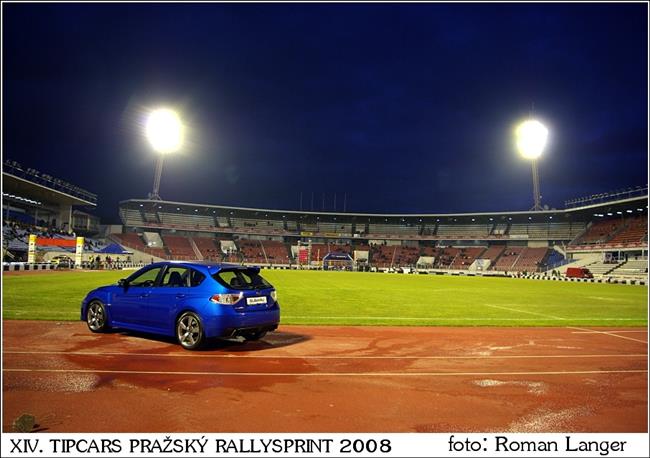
(241, 279)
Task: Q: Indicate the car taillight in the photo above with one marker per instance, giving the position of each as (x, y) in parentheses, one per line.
(274, 295)
(227, 299)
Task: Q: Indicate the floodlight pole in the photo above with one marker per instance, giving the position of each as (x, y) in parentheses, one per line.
(156, 179)
(536, 196)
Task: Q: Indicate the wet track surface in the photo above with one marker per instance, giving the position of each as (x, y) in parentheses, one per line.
(329, 379)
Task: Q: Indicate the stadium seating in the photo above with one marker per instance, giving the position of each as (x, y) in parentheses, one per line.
(600, 268)
(507, 259)
(492, 253)
(391, 229)
(133, 240)
(462, 232)
(633, 231)
(131, 217)
(427, 251)
(187, 221)
(276, 252)
(383, 256)
(339, 248)
(445, 257)
(465, 257)
(334, 228)
(208, 249)
(632, 269)
(318, 251)
(252, 251)
(179, 247)
(530, 260)
(263, 225)
(599, 232)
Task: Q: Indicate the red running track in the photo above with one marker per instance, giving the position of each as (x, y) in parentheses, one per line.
(329, 379)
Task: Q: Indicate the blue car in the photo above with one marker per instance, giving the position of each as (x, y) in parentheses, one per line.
(192, 301)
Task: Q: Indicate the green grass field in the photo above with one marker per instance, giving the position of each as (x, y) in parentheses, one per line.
(355, 298)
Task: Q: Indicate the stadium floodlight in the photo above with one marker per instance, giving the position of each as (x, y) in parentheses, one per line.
(164, 131)
(531, 136)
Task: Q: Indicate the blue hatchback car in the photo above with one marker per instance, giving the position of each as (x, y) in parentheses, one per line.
(190, 300)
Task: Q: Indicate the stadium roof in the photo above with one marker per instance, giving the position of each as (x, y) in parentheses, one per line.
(633, 204)
(42, 187)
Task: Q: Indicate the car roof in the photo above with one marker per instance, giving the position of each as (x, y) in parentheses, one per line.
(213, 267)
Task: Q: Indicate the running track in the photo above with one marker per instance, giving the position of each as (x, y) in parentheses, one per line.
(329, 379)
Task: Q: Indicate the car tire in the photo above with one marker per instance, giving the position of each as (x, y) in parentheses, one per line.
(189, 331)
(96, 317)
(254, 335)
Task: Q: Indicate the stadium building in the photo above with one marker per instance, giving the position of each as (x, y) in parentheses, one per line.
(34, 202)
(606, 233)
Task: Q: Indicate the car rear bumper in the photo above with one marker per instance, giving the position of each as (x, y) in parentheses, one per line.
(233, 323)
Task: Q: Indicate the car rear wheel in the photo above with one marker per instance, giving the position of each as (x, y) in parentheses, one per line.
(189, 331)
(254, 335)
(96, 317)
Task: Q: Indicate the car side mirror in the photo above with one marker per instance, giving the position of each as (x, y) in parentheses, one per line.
(123, 283)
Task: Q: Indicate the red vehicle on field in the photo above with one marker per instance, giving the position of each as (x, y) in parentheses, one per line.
(578, 272)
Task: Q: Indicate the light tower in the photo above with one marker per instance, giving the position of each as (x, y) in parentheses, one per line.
(164, 131)
(531, 138)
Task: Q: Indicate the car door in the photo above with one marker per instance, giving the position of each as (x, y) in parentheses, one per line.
(176, 288)
(129, 302)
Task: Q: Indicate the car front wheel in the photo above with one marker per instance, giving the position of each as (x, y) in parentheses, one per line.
(189, 331)
(96, 317)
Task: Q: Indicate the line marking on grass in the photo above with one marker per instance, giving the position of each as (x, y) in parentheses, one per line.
(526, 311)
(238, 356)
(327, 374)
(608, 333)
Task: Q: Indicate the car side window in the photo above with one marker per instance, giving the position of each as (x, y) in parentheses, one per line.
(145, 279)
(196, 277)
(175, 277)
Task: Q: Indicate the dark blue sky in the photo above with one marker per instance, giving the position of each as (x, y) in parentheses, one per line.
(406, 108)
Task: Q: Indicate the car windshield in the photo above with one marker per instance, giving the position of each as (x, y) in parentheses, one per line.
(241, 279)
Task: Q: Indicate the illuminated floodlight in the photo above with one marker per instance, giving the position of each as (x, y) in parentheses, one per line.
(531, 138)
(164, 130)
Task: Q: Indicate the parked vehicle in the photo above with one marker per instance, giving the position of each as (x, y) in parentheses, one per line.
(192, 301)
(63, 262)
(578, 272)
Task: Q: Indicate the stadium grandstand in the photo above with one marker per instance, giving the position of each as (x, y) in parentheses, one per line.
(609, 232)
(34, 202)
(606, 233)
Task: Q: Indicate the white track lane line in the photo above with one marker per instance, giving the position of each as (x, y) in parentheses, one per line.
(434, 318)
(237, 356)
(644, 331)
(608, 333)
(327, 374)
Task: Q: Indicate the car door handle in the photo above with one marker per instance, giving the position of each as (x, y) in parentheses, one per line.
(144, 295)
(180, 296)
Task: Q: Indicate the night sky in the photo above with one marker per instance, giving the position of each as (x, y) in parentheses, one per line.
(404, 108)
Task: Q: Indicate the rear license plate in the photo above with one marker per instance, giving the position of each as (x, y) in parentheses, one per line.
(256, 300)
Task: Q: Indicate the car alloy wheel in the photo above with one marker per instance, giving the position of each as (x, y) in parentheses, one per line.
(189, 331)
(96, 317)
